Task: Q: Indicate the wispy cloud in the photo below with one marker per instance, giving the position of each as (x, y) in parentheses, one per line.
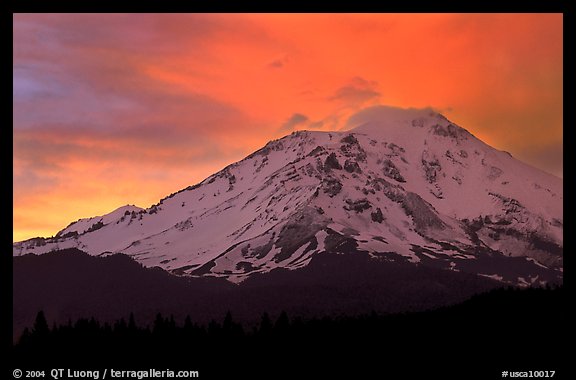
(357, 92)
(294, 121)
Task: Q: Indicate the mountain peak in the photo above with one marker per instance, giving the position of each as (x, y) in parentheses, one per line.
(401, 184)
(404, 125)
(395, 114)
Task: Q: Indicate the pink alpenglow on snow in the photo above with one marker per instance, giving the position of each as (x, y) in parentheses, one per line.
(401, 184)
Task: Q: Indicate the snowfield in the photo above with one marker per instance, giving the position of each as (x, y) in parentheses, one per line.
(400, 184)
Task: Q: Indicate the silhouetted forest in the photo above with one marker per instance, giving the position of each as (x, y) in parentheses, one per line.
(503, 329)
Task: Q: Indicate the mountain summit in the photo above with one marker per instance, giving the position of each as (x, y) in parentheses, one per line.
(401, 185)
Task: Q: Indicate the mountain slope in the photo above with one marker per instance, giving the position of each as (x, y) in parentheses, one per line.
(402, 185)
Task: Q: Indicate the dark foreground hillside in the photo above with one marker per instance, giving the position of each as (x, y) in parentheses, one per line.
(504, 329)
(71, 284)
(344, 315)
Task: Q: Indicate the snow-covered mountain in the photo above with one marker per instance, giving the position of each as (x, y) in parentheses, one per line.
(403, 185)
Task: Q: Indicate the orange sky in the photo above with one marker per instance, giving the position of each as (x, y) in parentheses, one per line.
(118, 109)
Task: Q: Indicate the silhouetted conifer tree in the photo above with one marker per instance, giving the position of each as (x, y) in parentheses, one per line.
(282, 323)
(171, 324)
(265, 325)
(188, 324)
(40, 329)
(159, 325)
(132, 323)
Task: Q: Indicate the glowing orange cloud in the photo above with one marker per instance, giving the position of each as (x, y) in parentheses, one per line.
(117, 109)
